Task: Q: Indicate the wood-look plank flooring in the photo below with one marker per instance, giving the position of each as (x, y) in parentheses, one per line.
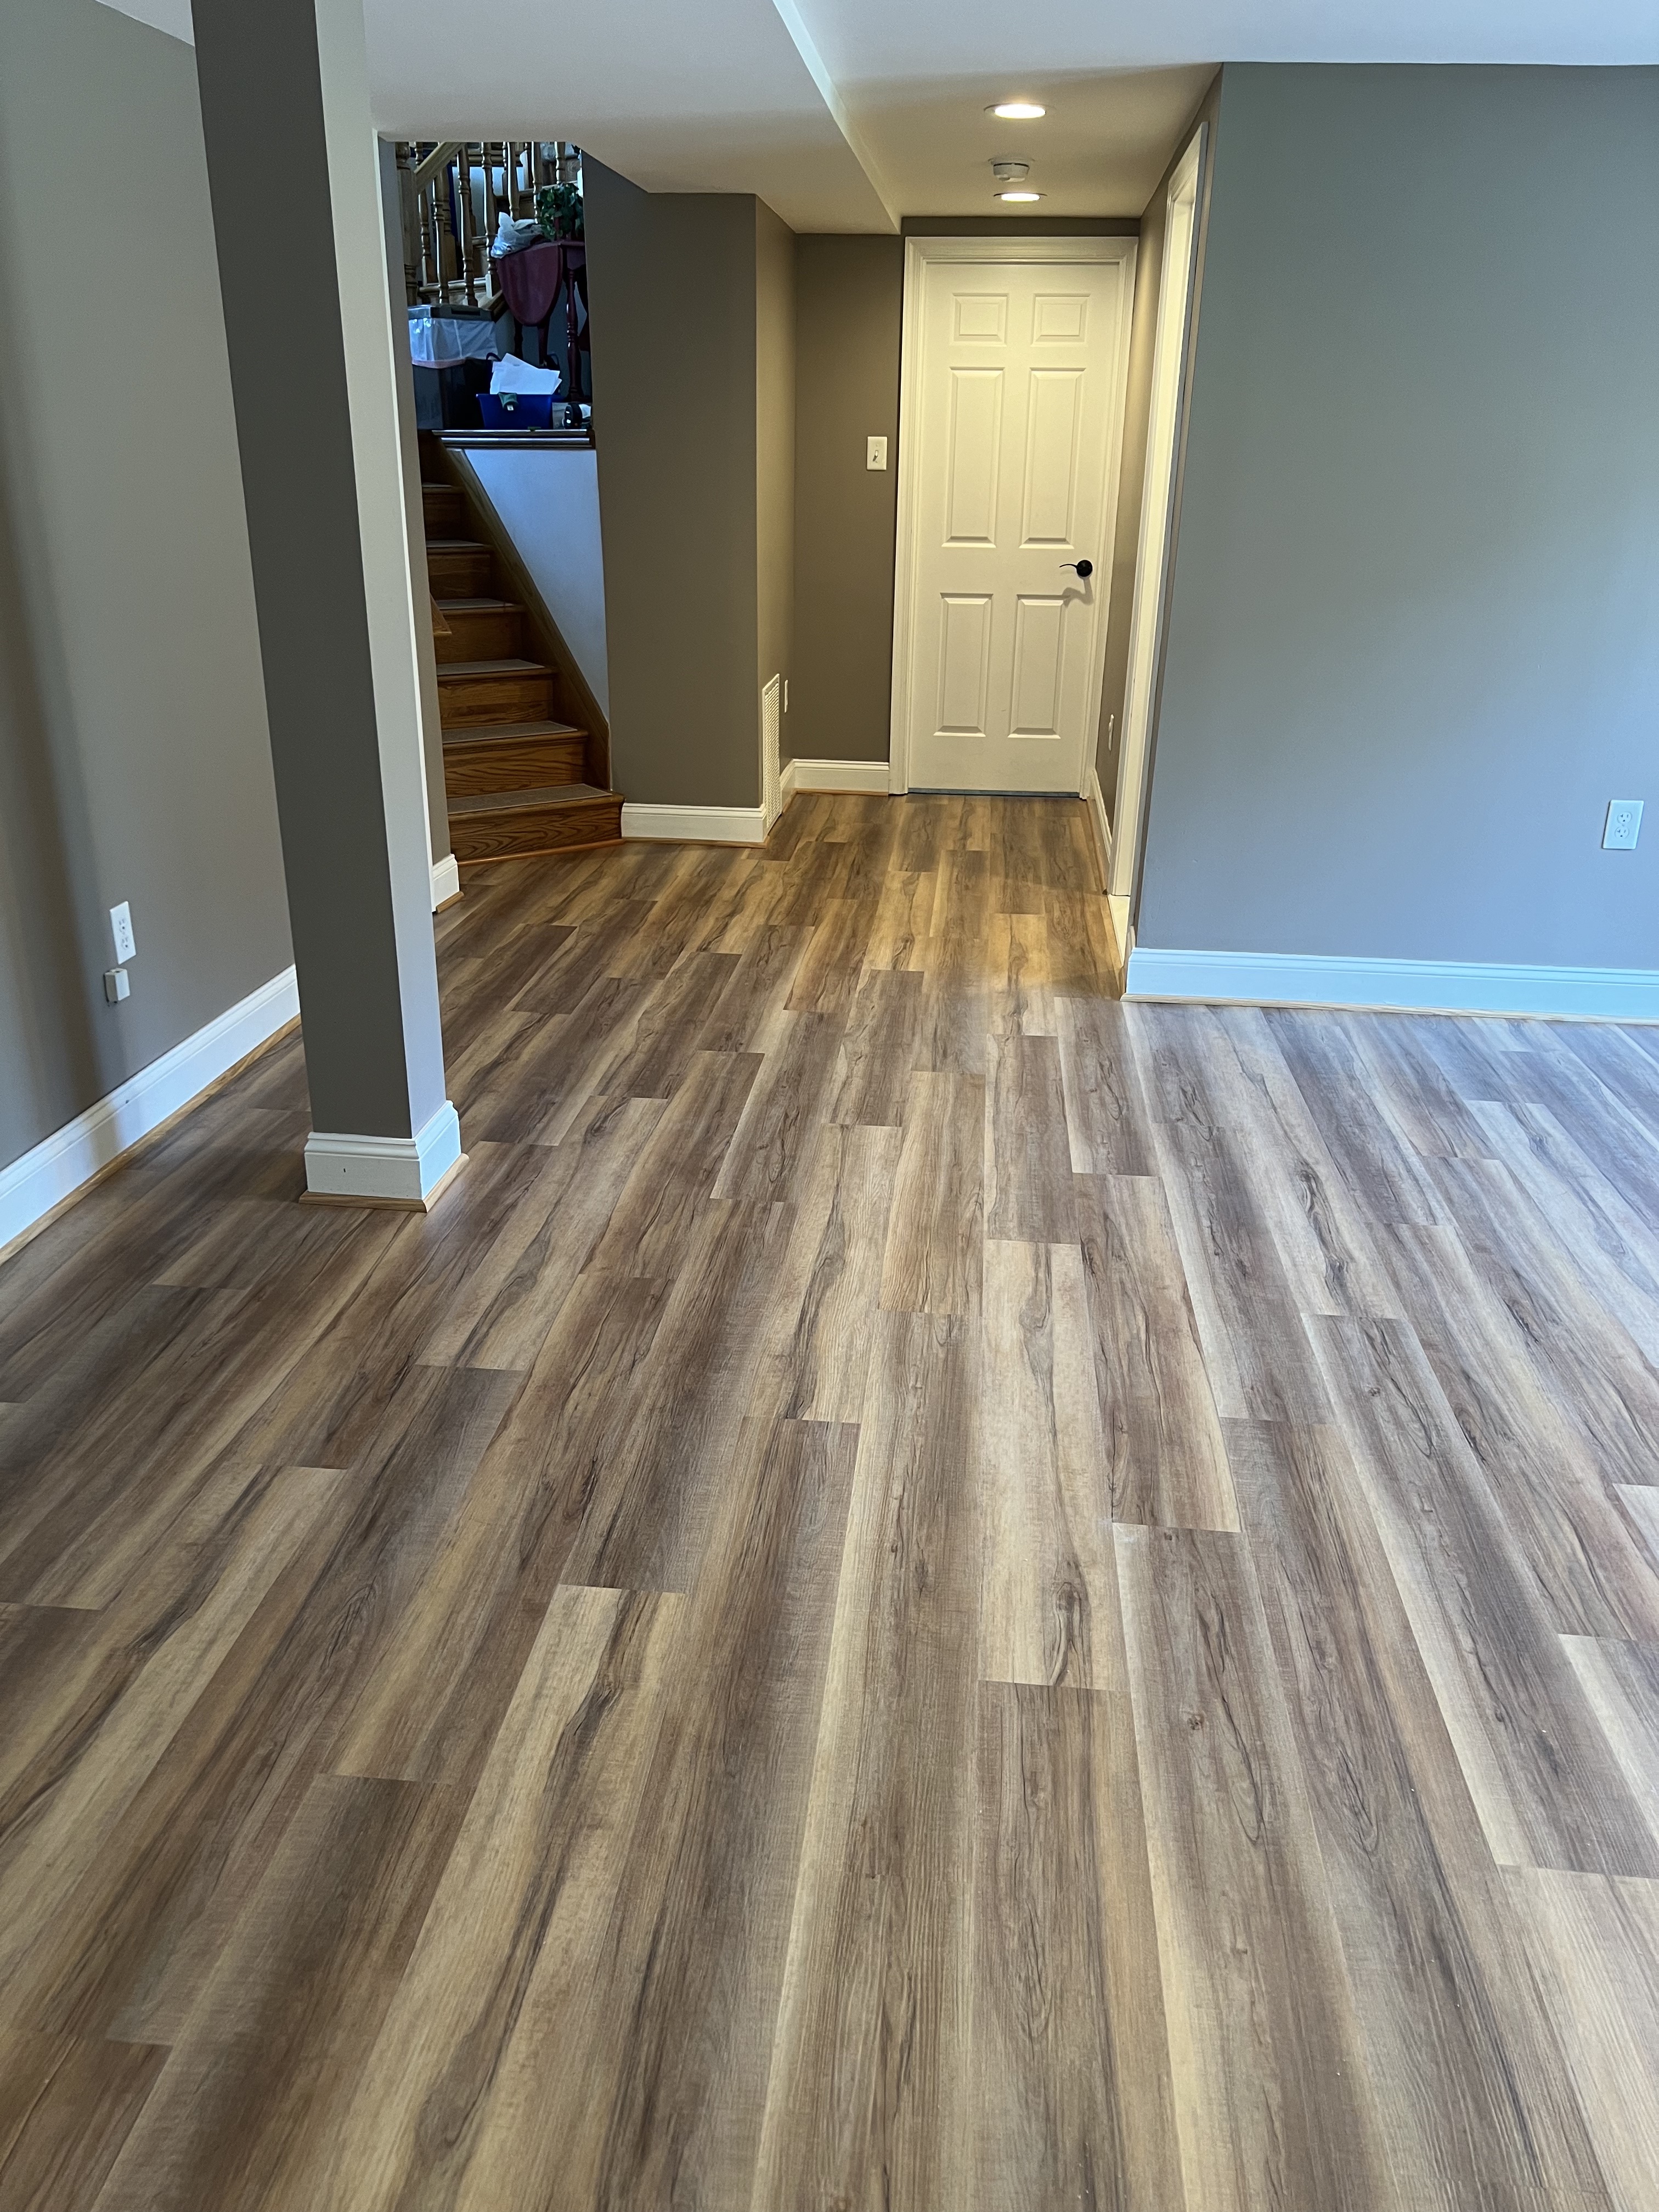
(925, 1592)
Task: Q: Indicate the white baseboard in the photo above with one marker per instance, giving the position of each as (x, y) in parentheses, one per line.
(398, 1168)
(1435, 986)
(445, 881)
(839, 776)
(57, 1167)
(697, 825)
(1095, 799)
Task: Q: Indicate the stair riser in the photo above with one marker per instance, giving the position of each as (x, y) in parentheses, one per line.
(536, 829)
(460, 576)
(480, 637)
(441, 511)
(469, 702)
(514, 764)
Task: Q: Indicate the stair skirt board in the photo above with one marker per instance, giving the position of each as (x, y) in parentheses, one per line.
(1429, 986)
(58, 1168)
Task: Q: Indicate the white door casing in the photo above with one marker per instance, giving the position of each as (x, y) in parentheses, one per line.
(1175, 309)
(1016, 361)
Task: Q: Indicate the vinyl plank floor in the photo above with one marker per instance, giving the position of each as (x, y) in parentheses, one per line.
(66, 2108)
(1073, 2101)
(868, 2093)
(924, 1591)
(1273, 2102)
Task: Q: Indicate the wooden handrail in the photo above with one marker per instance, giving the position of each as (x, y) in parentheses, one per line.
(439, 158)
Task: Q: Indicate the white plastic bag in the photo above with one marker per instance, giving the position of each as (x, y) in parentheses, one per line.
(509, 374)
(512, 233)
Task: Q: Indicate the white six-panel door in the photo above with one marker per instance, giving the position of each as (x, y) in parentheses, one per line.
(1010, 431)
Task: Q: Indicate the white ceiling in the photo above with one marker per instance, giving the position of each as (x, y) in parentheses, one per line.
(847, 114)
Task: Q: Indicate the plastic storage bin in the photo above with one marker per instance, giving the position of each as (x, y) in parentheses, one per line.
(518, 410)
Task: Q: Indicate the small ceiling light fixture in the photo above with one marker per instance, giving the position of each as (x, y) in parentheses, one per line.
(1017, 111)
(1012, 176)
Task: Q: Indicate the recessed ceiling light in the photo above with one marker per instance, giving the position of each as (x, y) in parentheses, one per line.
(1019, 196)
(1017, 111)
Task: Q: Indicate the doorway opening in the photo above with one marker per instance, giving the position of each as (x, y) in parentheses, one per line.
(1014, 371)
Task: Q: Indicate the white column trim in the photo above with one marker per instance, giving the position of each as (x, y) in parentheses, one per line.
(384, 1171)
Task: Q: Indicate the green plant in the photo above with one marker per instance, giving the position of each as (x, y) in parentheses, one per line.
(559, 212)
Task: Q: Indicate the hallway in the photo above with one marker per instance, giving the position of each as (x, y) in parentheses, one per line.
(923, 1590)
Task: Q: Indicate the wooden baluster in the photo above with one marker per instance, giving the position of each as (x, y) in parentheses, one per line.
(463, 206)
(492, 206)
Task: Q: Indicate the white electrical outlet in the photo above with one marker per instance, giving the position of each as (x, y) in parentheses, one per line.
(1623, 825)
(120, 922)
(875, 452)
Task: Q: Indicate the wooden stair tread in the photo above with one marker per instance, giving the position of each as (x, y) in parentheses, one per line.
(492, 733)
(481, 606)
(456, 546)
(448, 668)
(507, 802)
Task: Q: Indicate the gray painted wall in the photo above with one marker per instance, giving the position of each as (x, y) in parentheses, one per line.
(849, 311)
(548, 500)
(133, 753)
(672, 283)
(1413, 644)
(1143, 344)
(774, 448)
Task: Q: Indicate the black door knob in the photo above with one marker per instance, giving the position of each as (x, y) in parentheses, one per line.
(1084, 568)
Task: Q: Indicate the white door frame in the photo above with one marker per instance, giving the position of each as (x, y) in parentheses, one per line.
(1163, 431)
(918, 252)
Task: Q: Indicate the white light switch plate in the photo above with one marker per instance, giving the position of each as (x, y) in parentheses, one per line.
(1623, 825)
(120, 922)
(875, 452)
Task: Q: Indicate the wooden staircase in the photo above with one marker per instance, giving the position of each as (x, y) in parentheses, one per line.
(514, 767)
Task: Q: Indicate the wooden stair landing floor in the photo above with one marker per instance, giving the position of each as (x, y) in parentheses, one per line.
(924, 1590)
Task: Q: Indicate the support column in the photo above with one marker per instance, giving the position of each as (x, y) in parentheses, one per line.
(293, 168)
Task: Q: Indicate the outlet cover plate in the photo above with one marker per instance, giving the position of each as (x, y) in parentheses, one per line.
(120, 922)
(1623, 825)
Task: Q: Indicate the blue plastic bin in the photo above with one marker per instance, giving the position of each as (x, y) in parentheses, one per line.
(518, 410)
